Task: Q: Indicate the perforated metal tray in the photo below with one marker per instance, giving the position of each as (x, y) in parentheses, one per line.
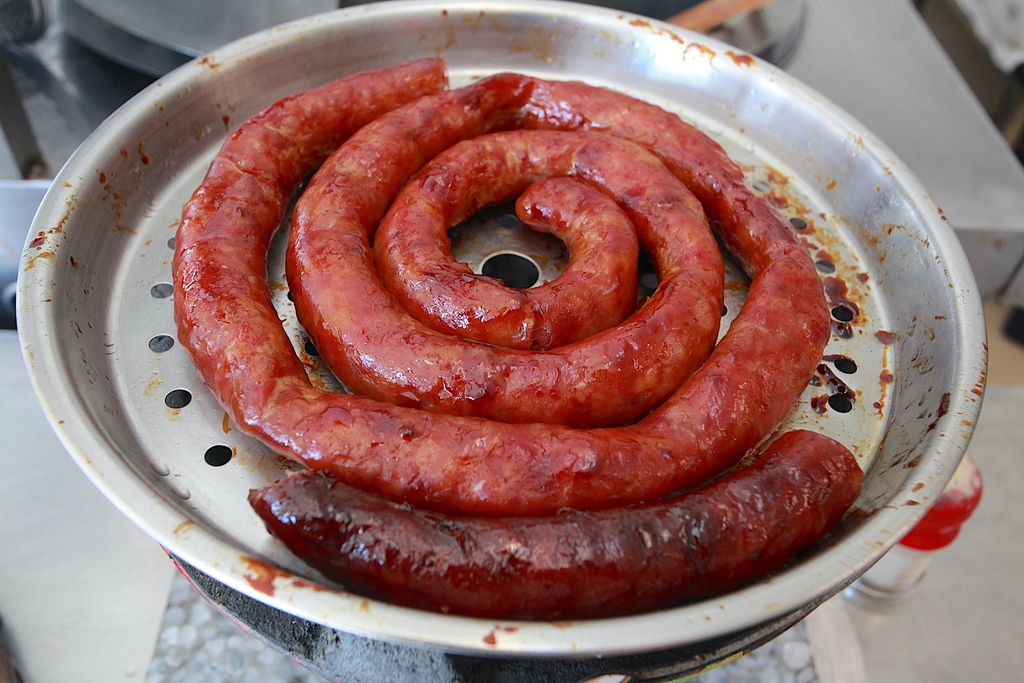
(99, 337)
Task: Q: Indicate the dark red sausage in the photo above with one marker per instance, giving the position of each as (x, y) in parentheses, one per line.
(574, 565)
(729, 406)
(222, 304)
(378, 350)
(596, 290)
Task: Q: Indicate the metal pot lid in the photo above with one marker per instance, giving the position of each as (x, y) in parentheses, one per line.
(98, 331)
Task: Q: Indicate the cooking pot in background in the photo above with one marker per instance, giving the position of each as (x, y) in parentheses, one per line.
(155, 36)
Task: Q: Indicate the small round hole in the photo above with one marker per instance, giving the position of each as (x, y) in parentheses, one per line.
(840, 404)
(845, 365)
(842, 313)
(824, 266)
(170, 243)
(219, 455)
(179, 398)
(161, 343)
(162, 290)
(798, 223)
(513, 269)
(310, 348)
(509, 221)
(761, 186)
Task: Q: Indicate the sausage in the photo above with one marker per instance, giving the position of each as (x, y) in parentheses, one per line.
(612, 377)
(574, 565)
(466, 464)
(222, 303)
(596, 290)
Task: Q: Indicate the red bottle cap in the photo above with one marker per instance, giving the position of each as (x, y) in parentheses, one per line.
(955, 504)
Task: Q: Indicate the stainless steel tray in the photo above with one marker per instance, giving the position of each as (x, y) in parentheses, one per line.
(98, 332)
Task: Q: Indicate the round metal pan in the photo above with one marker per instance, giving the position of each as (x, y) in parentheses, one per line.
(98, 333)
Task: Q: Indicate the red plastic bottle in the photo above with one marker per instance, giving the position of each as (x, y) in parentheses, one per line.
(901, 569)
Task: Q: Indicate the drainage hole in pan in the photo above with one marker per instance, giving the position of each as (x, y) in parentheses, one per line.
(161, 290)
(161, 343)
(514, 270)
(840, 404)
(178, 398)
(219, 455)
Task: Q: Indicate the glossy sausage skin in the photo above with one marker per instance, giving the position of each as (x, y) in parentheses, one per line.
(222, 304)
(596, 290)
(462, 464)
(613, 377)
(574, 565)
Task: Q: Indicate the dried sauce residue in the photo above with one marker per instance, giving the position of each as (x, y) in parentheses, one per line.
(885, 337)
(740, 59)
(943, 409)
(262, 575)
(491, 639)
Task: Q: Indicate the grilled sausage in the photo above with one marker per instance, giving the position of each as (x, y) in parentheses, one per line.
(596, 290)
(574, 565)
(466, 464)
(613, 377)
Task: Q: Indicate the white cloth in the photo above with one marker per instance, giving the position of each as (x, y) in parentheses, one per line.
(999, 25)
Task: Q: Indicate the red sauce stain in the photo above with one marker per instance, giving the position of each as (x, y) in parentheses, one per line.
(490, 638)
(885, 337)
(740, 60)
(103, 176)
(842, 330)
(819, 404)
(831, 185)
(300, 583)
(835, 385)
(38, 241)
(838, 295)
(227, 121)
(225, 424)
(262, 576)
(918, 486)
(143, 157)
(75, 264)
(885, 377)
(943, 409)
(863, 277)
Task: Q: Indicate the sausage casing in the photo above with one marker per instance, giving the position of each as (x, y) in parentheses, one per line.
(573, 565)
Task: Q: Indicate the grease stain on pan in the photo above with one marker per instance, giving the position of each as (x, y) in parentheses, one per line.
(184, 527)
(261, 576)
(673, 35)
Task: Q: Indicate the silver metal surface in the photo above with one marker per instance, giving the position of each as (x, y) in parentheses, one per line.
(19, 200)
(90, 302)
(878, 60)
(156, 37)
